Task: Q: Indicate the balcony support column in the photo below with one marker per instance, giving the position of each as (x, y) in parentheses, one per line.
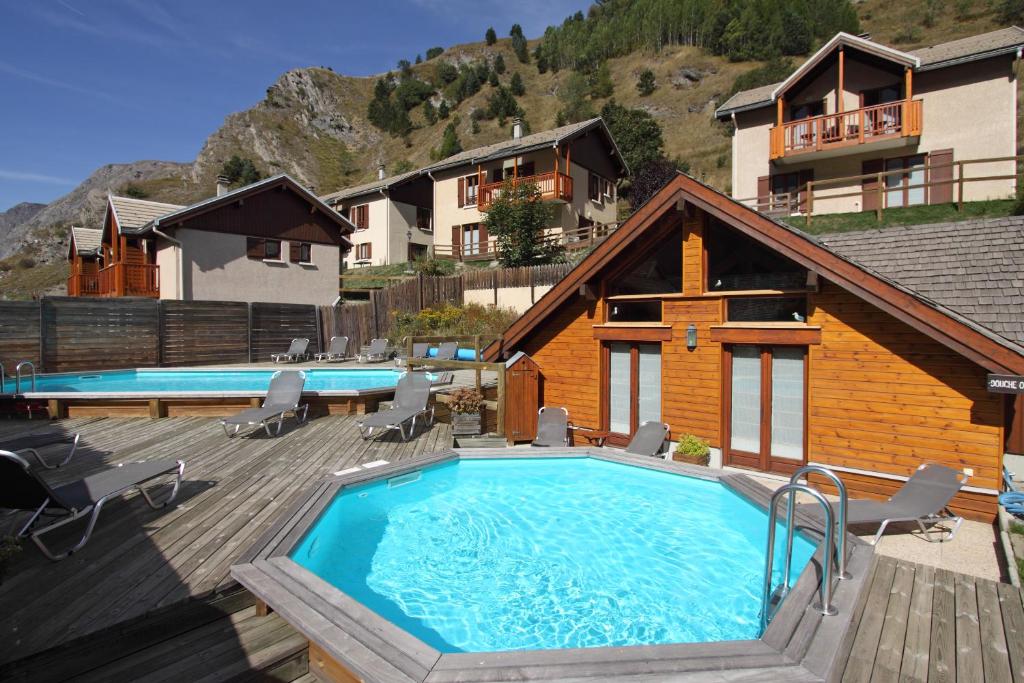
(779, 108)
(841, 90)
(908, 87)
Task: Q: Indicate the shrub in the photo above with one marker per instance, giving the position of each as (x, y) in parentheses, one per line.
(428, 265)
(442, 110)
(240, 171)
(466, 401)
(516, 85)
(26, 262)
(601, 85)
(499, 64)
(434, 52)
(134, 191)
(449, 320)
(646, 85)
(694, 447)
(449, 142)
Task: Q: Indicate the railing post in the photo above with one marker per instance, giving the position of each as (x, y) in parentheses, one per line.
(881, 197)
(810, 200)
(499, 428)
(960, 187)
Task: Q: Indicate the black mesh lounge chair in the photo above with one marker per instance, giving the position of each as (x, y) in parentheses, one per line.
(923, 499)
(552, 428)
(412, 396)
(52, 507)
(297, 351)
(336, 350)
(649, 439)
(283, 396)
(376, 352)
(419, 350)
(447, 351)
(30, 443)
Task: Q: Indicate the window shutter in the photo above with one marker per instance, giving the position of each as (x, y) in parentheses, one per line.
(294, 252)
(462, 193)
(364, 216)
(869, 186)
(763, 192)
(483, 238)
(369, 250)
(353, 215)
(940, 163)
(255, 248)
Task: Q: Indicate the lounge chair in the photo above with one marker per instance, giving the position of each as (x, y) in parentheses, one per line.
(376, 352)
(336, 350)
(30, 443)
(21, 488)
(283, 396)
(552, 428)
(924, 499)
(447, 351)
(297, 351)
(412, 396)
(419, 350)
(649, 439)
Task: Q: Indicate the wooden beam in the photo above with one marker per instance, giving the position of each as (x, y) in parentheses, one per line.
(908, 82)
(779, 108)
(842, 90)
(556, 159)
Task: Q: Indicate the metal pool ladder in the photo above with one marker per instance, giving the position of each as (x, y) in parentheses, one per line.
(17, 375)
(835, 537)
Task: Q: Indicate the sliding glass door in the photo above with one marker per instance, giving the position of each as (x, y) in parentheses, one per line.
(633, 393)
(765, 393)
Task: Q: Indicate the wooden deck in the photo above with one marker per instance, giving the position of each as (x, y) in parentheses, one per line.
(140, 560)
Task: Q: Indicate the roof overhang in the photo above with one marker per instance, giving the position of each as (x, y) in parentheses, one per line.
(954, 331)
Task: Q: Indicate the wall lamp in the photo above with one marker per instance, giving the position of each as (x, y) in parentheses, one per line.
(691, 337)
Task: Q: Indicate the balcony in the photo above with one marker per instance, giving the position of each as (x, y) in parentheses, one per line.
(893, 122)
(553, 186)
(84, 284)
(130, 279)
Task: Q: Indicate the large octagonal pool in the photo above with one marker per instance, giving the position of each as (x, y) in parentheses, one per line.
(511, 554)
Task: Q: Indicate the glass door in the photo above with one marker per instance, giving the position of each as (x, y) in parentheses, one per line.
(633, 387)
(471, 239)
(765, 390)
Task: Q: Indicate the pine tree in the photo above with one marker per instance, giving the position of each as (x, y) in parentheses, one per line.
(519, 45)
(449, 142)
(601, 85)
(442, 110)
(429, 113)
(419, 59)
(499, 64)
(516, 85)
(491, 37)
(646, 85)
(492, 79)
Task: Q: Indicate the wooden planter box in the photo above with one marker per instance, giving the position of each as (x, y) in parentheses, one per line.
(692, 459)
(465, 424)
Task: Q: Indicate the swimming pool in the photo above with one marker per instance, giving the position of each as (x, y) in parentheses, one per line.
(499, 554)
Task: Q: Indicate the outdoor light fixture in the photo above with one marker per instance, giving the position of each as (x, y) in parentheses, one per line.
(691, 337)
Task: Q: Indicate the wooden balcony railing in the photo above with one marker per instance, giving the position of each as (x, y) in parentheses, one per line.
(570, 240)
(856, 127)
(130, 279)
(553, 186)
(84, 284)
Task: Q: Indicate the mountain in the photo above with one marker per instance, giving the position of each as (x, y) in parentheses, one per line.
(313, 122)
(15, 216)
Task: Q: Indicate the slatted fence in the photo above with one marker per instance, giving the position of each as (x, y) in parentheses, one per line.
(275, 325)
(88, 333)
(200, 332)
(19, 333)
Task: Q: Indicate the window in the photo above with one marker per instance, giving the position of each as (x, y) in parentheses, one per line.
(364, 251)
(260, 249)
(761, 309)
(467, 190)
(595, 184)
(272, 250)
(608, 189)
(300, 252)
(905, 189)
(634, 386)
(469, 239)
(360, 216)
(416, 251)
(659, 271)
(423, 221)
(789, 191)
(634, 311)
(737, 263)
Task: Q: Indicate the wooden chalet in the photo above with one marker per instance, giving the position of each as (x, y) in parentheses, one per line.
(84, 250)
(781, 349)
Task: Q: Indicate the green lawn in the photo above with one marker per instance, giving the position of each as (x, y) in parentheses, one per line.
(913, 215)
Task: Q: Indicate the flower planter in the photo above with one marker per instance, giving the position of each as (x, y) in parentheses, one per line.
(465, 424)
(692, 459)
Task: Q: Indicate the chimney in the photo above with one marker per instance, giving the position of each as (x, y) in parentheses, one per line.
(517, 128)
(380, 172)
(222, 184)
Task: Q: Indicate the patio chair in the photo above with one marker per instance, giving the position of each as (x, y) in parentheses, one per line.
(283, 396)
(297, 351)
(924, 499)
(21, 488)
(419, 350)
(336, 350)
(412, 396)
(649, 439)
(447, 351)
(30, 443)
(376, 352)
(552, 428)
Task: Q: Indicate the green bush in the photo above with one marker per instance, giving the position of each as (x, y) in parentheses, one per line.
(646, 84)
(134, 191)
(428, 265)
(449, 320)
(434, 52)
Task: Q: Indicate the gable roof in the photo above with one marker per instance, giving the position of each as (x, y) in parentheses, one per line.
(85, 241)
(982, 46)
(975, 268)
(132, 214)
(964, 335)
(368, 188)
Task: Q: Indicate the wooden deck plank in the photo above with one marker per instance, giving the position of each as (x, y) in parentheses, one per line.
(894, 625)
(1011, 606)
(942, 653)
(914, 665)
(994, 653)
(969, 666)
(865, 645)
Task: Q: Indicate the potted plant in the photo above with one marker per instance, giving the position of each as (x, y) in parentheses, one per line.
(9, 547)
(693, 450)
(465, 405)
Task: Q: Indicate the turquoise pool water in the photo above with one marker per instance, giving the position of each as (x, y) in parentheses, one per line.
(182, 381)
(490, 555)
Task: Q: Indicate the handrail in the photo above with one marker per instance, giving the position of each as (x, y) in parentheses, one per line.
(854, 126)
(824, 604)
(2, 378)
(840, 542)
(17, 375)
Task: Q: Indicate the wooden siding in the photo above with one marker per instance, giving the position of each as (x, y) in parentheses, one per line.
(19, 333)
(884, 397)
(204, 332)
(691, 391)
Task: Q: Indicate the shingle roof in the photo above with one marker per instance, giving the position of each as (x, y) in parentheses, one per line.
(367, 188)
(132, 214)
(982, 46)
(87, 240)
(974, 268)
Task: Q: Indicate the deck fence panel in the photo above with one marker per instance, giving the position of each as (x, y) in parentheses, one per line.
(204, 332)
(99, 334)
(275, 325)
(19, 333)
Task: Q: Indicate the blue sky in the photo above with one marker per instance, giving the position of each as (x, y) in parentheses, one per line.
(90, 82)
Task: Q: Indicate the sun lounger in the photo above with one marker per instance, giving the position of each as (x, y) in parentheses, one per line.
(30, 443)
(447, 351)
(924, 499)
(412, 396)
(649, 439)
(419, 350)
(336, 350)
(297, 351)
(552, 428)
(21, 488)
(376, 352)
(283, 396)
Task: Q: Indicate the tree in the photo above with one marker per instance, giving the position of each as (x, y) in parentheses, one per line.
(491, 37)
(636, 133)
(429, 113)
(574, 95)
(499, 65)
(519, 45)
(419, 59)
(402, 166)
(442, 110)
(601, 85)
(502, 104)
(449, 142)
(540, 59)
(444, 73)
(404, 68)
(516, 85)
(240, 171)
(646, 84)
(516, 219)
(492, 79)
(134, 191)
(649, 178)
(434, 52)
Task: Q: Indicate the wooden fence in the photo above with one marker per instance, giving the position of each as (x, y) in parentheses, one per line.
(67, 334)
